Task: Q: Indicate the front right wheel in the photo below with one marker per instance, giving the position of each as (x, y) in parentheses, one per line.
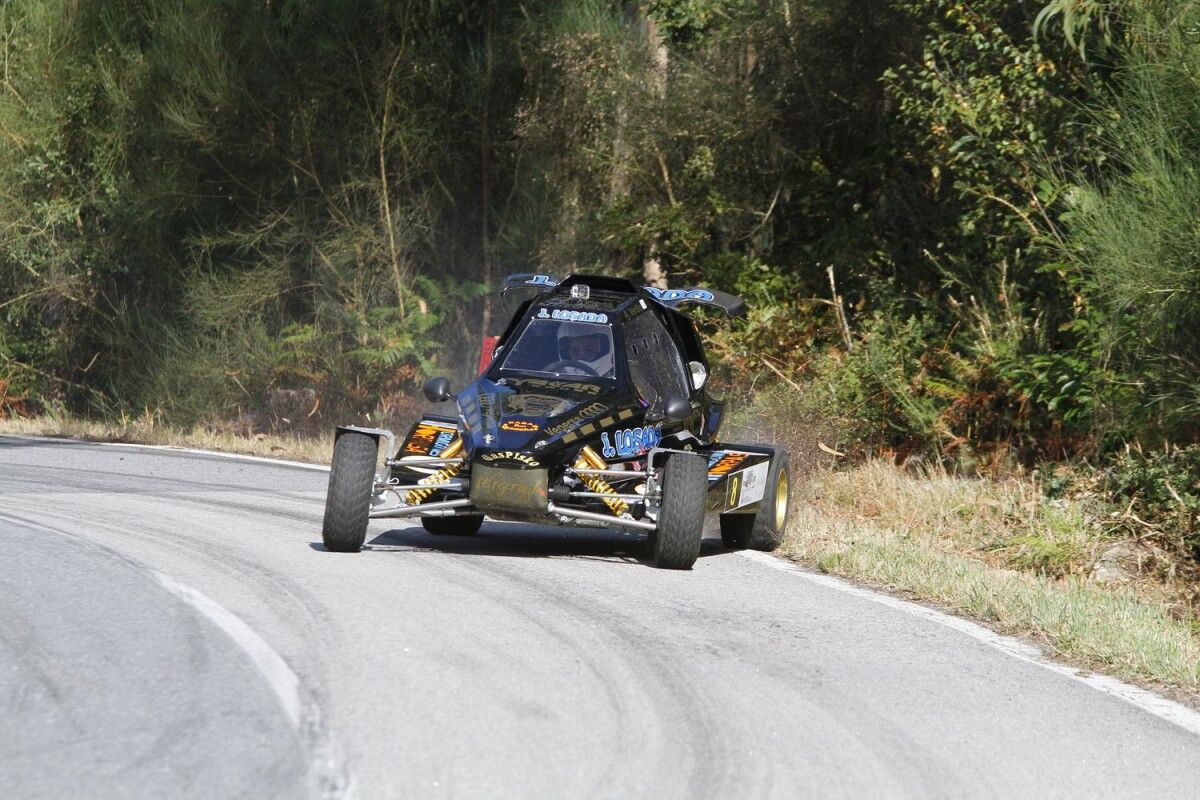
(676, 542)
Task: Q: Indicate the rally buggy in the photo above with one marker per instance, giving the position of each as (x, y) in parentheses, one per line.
(592, 412)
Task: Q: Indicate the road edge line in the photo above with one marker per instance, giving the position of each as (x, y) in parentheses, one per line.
(1154, 704)
(329, 770)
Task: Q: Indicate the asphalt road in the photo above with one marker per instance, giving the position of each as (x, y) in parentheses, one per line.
(170, 626)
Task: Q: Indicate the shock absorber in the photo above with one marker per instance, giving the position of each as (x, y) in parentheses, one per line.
(590, 459)
(415, 496)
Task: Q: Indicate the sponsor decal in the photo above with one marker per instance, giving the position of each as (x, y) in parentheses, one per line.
(535, 405)
(579, 316)
(543, 314)
(747, 486)
(540, 280)
(670, 295)
(519, 425)
(507, 489)
(721, 463)
(588, 411)
(630, 442)
(570, 386)
(510, 455)
(478, 410)
(442, 442)
(430, 439)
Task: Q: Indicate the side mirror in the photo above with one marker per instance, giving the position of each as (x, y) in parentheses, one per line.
(437, 390)
(676, 408)
(699, 374)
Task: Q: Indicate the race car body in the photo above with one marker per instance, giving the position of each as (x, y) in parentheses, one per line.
(593, 411)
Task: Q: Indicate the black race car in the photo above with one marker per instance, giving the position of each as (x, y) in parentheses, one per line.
(592, 412)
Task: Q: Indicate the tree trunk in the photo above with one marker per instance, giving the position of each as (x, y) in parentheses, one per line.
(485, 168)
(652, 269)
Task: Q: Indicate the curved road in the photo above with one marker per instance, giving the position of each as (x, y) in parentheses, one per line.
(171, 627)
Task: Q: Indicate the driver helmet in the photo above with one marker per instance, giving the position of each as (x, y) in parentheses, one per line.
(587, 343)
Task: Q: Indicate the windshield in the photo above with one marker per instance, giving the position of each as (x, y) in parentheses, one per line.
(562, 347)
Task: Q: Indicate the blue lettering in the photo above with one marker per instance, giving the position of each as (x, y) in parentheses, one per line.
(672, 295)
(441, 443)
(630, 442)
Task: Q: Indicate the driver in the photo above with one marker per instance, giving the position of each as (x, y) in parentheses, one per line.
(587, 344)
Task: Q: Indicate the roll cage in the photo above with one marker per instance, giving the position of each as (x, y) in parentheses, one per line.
(621, 303)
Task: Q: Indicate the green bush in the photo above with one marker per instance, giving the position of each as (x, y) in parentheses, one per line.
(1160, 489)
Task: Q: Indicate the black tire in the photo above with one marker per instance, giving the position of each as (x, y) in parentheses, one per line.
(461, 525)
(765, 529)
(348, 502)
(676, 543)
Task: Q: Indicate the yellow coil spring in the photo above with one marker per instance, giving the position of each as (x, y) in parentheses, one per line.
(415, 496)
(590, 459)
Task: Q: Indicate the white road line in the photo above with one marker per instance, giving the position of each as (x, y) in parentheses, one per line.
(279, 676)
(1151, 703)
(332, 778)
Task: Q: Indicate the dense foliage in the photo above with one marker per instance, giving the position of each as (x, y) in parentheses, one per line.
(965, 229)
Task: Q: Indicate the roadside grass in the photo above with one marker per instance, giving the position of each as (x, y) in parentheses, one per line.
(996, 551)
(149, 430)
(1000, 552)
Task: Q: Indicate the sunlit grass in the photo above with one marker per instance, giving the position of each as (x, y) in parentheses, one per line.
(998, 552)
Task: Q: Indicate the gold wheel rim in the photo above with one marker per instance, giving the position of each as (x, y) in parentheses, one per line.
(781, 500)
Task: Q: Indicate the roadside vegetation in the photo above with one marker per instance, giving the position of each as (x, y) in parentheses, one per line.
(310, 448)
(1063, 572)
(966, 233)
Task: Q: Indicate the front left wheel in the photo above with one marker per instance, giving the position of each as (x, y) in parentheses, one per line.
(348, 502)
(676, 542)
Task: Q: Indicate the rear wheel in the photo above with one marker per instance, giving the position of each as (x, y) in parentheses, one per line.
(765, 529)
(458, 525)
(676, 542)
(348, 501)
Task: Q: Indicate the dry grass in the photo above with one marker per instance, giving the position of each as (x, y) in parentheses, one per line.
(148, 430)
(1001, 553)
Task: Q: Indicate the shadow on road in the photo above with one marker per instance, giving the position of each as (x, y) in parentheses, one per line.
(526, 541)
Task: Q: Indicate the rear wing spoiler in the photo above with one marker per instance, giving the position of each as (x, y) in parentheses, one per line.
(671, 298)
(528, 280)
